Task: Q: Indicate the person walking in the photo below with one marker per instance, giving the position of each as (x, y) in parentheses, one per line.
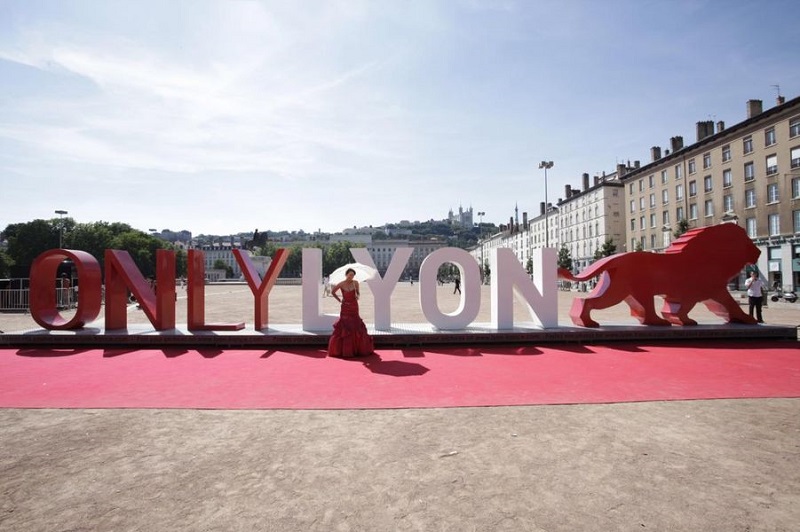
(457, 289)
(755, 295)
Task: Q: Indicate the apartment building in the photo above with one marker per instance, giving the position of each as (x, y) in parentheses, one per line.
(747, 174)
(591, 216)
(383, 250)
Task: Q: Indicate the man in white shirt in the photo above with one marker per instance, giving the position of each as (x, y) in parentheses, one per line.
(755, 294)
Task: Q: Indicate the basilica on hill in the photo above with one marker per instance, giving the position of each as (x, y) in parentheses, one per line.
(463, 218)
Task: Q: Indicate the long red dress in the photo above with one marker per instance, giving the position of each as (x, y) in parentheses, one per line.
(350, 337)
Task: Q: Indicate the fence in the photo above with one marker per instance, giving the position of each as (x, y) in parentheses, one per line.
(18, 299)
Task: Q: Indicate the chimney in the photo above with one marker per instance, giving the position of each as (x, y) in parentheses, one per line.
(511, 224)
(597, 180)
(720, 126)
(705, 129)
(754, 107)
(676, 143)
(655, 153)
(585, 182)
(525, 220)
(567, 191)
(621, 169)
(637, 164)
(541, 207)
(780, 100)
(666, 152)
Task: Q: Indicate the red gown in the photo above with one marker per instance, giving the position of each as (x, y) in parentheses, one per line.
(350, 337)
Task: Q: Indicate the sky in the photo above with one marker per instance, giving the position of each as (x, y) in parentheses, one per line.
(225, 117)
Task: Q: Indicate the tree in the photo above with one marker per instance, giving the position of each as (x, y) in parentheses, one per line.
(607, 249)
(6, 262)
(219, 264)
(529, 266)
(336, 255)
(639, 246)
(683, 226)
(565, 258)
(26, 241)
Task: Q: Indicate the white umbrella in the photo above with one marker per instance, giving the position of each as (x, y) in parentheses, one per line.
(363, 273)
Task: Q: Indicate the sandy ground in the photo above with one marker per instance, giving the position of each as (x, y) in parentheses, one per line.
(727, 465)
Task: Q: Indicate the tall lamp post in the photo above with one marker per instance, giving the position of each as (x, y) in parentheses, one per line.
(546, 165)
(61, 214)
(481, 214)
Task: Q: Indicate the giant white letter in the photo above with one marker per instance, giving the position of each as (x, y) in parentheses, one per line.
(509, 277)
(470, 303)
(313, 320)
(382, 288)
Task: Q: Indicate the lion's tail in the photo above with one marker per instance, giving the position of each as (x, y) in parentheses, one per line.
(589, 273)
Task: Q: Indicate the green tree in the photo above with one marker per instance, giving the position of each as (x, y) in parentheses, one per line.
(336, 255)
(28, 240)
(6, 262)
(564, 258)
(220, 264)
(529, 266)
(683, 226)
(607, 249)
(639, 246)
(142, 249)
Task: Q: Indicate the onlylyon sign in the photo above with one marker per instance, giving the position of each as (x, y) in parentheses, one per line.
(123, 276)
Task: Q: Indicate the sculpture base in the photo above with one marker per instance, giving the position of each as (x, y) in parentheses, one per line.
(403, 334)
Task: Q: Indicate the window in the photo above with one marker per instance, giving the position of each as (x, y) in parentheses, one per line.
(692, 188)
(795, 157)
(706, 160)
(633, 206)
(664, 178)
(794, 127)
(796, 188)
(749, 198)
(747, 144)
(665, 217)
(652, 241)
(651, 180)
(726, 153)
(652, 200)
(664, 197)
(727, 178)
(772, 193)
(630, 188)
(749, 172)
(769, 136)
(693, 211)
(641, 185)
(709, 208)
(772, 164)
(774, 225)
(796, 221)
(652, 220)
(641, 203)
(678, 192)
(678, 171)
(642, 223)
(708, 184)
(692, 166)
(750, 225)
(727, 203)
(679, 214)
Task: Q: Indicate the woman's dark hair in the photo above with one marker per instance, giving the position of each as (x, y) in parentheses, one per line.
(350, 270)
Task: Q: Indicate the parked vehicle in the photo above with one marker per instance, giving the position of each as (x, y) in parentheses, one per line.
(786, 295)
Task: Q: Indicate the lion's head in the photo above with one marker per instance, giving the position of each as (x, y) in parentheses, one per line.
(725, 244)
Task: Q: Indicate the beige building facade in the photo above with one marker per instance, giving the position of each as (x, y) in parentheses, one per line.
(747, 174)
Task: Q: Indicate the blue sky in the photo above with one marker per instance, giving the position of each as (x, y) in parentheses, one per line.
(221, 117)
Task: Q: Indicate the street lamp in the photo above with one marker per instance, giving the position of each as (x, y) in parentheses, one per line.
(546, 165)
(61, 214)
(481, 214)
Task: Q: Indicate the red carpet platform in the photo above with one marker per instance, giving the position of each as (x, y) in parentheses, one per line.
(303, 378)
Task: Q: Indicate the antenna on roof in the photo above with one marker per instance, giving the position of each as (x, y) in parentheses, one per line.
(777, 89)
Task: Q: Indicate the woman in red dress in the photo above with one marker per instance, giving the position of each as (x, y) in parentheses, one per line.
(350, 337)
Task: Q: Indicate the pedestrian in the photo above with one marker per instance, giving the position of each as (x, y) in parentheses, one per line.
(326, 286)
(755, 295)
(458, 285)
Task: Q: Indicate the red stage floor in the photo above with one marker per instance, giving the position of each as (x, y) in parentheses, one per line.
(397, 378)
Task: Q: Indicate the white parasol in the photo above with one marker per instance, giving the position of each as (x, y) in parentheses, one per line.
(363, 273)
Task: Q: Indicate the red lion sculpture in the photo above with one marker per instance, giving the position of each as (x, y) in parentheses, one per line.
(694, 269)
